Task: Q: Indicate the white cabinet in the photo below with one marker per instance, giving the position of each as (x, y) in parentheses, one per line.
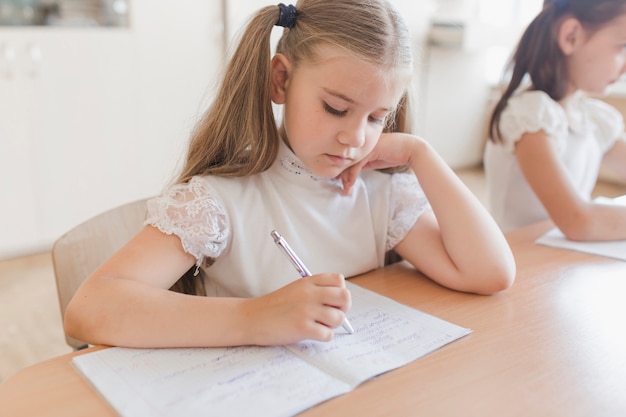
(91, 118)
(66, 115)
(17, 201)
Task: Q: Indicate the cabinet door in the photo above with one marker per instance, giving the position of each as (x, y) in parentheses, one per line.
(67, 105)
(96, 117)
(82, 124)
(18, 222)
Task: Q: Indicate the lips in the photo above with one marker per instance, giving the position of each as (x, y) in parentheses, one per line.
(339, 159)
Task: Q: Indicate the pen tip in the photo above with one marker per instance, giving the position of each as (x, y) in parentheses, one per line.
(347, 326)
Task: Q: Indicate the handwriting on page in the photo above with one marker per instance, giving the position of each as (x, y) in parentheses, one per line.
(386, 334)
(224, 381)
(381, 342)
(266, 381)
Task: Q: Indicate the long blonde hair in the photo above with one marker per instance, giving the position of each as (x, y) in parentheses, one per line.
(238, 135)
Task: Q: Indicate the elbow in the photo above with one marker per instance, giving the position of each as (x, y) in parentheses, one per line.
(582, 223)
(579, 229)
(80, 325)
(498, 277)
(72, 325)
(497, 281)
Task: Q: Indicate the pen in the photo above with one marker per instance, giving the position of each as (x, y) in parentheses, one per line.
(300, 267)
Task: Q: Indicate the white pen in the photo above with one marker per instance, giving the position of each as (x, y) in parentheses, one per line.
(300, 267)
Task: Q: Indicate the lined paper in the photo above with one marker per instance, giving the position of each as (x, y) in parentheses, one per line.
(267, 381)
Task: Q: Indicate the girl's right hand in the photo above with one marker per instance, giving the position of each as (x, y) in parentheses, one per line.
(308, 308)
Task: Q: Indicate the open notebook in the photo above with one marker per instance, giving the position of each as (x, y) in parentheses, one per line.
(611, 249)
(266, 381)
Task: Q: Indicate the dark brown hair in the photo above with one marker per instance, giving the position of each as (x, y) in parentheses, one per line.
(538, 55)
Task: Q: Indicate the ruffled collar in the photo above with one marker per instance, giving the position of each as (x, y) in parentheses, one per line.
(575, 113)
(290, 162)
(289, 166)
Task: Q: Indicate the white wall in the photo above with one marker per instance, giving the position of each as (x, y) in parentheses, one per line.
(95, 117)
(461, 65)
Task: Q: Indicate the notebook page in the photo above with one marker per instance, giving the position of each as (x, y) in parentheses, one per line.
(240, 381)
(387, 335)
(266, 381)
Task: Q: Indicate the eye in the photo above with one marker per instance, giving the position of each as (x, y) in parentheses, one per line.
(377, 121)
(332, 110)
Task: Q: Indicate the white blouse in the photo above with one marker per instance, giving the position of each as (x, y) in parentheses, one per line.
(229, 220)
(582, 131)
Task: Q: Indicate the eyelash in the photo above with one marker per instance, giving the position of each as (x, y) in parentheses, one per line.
(333, 111)
(339, 113)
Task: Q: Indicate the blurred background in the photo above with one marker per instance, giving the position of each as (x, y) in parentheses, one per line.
(97, 99)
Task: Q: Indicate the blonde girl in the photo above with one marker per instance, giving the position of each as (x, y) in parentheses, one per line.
(341, 73)
(549, 136)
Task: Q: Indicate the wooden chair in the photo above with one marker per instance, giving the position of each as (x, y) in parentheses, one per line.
(77, 253)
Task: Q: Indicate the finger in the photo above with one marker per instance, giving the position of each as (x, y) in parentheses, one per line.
(321, 333)
(329, 280)
(330, 317)
(349, 176)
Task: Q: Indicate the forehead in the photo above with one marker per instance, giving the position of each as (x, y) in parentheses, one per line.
(355, 77)
(616, 28)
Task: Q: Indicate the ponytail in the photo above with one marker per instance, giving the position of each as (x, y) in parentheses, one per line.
(538, 55)
(240, 120)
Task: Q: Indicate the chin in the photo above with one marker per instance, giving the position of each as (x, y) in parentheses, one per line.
(597, 93)
(326, 172)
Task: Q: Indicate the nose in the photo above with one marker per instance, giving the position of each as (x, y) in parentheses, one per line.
(353, 134)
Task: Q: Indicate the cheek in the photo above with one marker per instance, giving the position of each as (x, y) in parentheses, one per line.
(621, 60)
(372, 139)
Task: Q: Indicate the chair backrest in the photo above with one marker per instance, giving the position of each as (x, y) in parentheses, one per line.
(77, 253)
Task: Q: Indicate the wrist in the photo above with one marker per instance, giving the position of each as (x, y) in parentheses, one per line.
(418, 148)
(243, 323)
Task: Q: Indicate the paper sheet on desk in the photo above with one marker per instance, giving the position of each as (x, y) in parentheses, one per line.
(266, 381)
(612, 249)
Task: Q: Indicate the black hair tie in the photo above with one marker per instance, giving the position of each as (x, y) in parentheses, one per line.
(560, 5)
(287, 17)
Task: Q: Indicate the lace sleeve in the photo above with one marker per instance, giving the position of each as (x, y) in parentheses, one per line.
(608, 122)
(193, 212)
(408, 202)
(530, 112)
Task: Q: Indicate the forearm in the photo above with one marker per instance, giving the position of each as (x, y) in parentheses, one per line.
(123, 312)
(475, 245)
(459, 213)
(128, 312)
(589, 221)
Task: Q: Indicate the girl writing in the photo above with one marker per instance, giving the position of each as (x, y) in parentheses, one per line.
(341, 73)
(550, 138)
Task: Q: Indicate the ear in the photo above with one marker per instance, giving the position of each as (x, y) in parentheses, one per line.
(279, 77)
(570, 35)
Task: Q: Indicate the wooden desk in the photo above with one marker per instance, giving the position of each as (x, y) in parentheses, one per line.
(552, 345)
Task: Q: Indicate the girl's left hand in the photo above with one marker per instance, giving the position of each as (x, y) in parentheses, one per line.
(392, 150)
